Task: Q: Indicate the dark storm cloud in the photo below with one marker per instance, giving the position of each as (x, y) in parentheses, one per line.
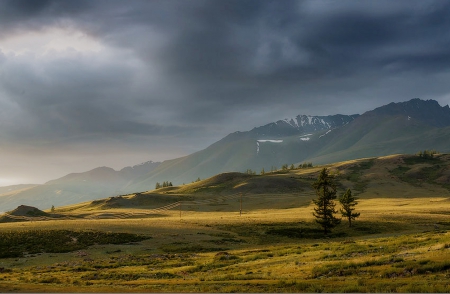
(76, 99)
(229, 55)
(18, 15)
(200, 69)
(286, 50)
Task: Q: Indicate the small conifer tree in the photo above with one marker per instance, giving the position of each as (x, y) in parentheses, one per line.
(348, 202)
(324, 211)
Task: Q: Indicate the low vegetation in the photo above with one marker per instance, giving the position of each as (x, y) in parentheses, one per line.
(19, 244)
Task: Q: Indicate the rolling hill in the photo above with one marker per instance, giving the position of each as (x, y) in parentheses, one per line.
(403, 177)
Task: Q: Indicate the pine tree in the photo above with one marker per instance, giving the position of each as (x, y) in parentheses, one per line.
(324, 211)
(53, 208)
(348, 202)
(158, 185)
(263, 171)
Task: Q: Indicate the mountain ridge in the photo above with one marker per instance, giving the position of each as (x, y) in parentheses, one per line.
(403, 127)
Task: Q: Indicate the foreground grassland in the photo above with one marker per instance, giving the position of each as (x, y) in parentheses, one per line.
(401, 242)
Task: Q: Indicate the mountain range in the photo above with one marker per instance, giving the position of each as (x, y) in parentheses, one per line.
(405, 127)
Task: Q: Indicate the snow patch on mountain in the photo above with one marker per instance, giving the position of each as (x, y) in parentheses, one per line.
(324, 134)
(318, 122)
(305, 137)
(264, 141)
(271, 141)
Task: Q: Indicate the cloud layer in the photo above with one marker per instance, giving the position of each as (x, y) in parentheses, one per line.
(87, 83)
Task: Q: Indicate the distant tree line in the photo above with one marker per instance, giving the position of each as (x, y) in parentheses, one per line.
(427, 153)
(305, 165)
(163, 185)
(284, 167)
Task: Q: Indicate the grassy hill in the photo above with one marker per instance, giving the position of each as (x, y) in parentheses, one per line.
(394, 176)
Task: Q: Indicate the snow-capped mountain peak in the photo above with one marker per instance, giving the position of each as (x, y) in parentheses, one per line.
(302, 124)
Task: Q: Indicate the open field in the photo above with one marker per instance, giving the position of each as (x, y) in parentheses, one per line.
(401, 242)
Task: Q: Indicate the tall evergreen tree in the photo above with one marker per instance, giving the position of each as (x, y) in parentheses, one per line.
(348, 202)
(324, 211)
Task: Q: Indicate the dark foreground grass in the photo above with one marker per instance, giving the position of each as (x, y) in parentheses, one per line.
(19, 243)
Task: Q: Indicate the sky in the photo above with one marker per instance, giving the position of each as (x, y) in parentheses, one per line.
(116, 83)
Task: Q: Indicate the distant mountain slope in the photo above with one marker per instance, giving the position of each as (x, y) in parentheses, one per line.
(426, 111)
(73, 188)
(404, 127)
(8, 190)
(239, 151)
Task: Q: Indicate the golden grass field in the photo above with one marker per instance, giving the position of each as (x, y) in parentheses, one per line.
(400, 243)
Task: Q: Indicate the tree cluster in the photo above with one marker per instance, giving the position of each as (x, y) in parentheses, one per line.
(284, 167)
(163, 185)
(250, 172)
(427, 153)
(325, 207)
(305, 165)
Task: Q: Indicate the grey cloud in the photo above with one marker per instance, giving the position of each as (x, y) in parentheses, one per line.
(197, 70)
(70, 99)
(18, 15)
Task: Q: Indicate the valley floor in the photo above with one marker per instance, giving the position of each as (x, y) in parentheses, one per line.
(397, 245)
